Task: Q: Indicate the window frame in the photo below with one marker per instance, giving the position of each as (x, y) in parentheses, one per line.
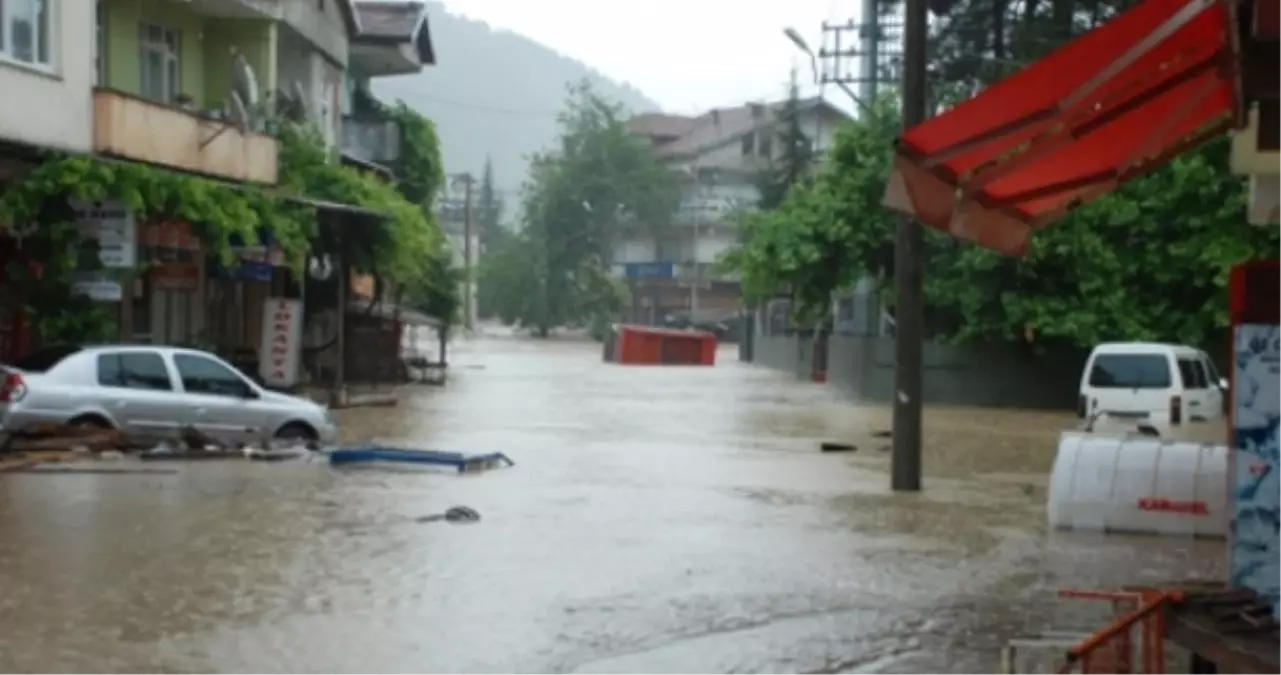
(122, 372)
(170, 59)
(182, 380)
(45, 39)
(1095, 381)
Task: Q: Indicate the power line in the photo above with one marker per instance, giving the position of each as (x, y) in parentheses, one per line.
(528, 112)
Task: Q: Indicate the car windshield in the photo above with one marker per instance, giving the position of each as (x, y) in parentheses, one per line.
(44, 359)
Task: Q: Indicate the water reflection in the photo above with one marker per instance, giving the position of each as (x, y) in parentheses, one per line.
(666, 520)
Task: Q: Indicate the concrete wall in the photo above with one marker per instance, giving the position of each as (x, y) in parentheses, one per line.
(981, 375)
(51, 104)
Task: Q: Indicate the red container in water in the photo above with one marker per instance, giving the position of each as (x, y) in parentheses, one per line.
(647, 345)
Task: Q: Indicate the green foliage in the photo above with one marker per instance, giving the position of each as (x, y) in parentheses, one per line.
(795, 152)
(218, 211)
(577, 202)
(489, 210)
(420, 170)
(1147, 262)
(435, 292)
(402, 247)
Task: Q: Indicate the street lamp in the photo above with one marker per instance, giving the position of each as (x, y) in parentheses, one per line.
(795, 38)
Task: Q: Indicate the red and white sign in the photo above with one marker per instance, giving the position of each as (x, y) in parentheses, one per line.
(281, 348)
(1186, 507)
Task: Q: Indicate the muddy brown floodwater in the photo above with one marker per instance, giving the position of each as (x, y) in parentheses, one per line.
(657, 519)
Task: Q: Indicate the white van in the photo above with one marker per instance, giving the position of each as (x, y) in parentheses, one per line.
(1156, 383)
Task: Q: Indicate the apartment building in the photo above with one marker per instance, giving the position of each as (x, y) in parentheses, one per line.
(190, 86)
(671, 269)
(46, 74)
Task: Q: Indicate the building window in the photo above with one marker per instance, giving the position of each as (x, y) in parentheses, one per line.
(158, 62)
(765, 145)
(749, 144)
(24, 31)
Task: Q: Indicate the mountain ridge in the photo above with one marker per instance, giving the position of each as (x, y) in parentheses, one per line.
(495, 94)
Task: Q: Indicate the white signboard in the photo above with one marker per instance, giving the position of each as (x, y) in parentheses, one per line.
(112, 225)
(281, 348)
(97, 286)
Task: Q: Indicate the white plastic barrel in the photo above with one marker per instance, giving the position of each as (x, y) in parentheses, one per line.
(1138, 484)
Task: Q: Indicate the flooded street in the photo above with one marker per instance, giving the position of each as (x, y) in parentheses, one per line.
(657, 520)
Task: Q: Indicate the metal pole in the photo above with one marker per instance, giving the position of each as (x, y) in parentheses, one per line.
(909, 310)
(698, 215)
(467, 267)
(870, 33)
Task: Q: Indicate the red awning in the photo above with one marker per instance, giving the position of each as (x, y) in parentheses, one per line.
(1119, 101)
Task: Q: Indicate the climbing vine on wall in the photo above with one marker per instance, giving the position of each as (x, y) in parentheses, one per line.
(398, 250)
(220, 214)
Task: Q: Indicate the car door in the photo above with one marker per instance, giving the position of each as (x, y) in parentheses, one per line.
(222, 404)
(138, 392)
(1198, 401)
(1217, 394)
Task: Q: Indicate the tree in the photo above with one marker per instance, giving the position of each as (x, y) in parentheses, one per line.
(1149, 261)
(576, 201)
(489, 210)
(796, 151)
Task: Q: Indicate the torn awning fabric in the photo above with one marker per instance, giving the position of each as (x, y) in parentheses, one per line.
(1119, 101)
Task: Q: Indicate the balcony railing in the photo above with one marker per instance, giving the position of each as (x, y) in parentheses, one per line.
(135, 128)
(371, 140)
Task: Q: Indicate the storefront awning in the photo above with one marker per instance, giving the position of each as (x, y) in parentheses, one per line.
(1115, 103)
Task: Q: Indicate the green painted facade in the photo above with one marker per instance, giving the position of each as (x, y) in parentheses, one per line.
(205, 44)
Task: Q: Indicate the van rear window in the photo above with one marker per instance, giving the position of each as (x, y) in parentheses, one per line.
(1130, 371)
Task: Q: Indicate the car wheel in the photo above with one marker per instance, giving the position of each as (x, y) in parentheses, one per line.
(297, 432)
(90, 422)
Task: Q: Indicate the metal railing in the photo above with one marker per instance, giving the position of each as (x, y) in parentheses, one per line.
(1116, 648)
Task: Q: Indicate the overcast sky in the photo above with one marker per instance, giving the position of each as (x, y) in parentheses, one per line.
(688, 55)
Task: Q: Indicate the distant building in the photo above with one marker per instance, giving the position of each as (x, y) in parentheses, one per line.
(671, 269)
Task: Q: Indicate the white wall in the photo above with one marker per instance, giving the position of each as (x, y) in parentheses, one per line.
(635, 250)
(709, 247)
(326, 30)
(322, 81)
(54, 107)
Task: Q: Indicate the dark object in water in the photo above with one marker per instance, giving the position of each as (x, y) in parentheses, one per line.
(831, 446)
(454, 514)
(382, 453)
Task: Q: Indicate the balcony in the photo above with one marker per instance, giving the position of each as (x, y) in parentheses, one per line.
(371, 139)
(130, 127)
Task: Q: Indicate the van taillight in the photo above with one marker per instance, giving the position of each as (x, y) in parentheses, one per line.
(1176, 410)
(12, 389)
(1081, 405)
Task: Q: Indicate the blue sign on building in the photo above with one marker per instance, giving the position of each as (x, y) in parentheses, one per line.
(650, 270)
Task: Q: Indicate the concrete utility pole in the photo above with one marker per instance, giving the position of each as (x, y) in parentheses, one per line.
(909, 306)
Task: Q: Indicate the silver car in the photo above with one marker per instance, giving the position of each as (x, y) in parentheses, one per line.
(152, 393)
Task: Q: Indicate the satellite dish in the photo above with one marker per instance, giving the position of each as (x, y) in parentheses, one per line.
(246, 82)
(237, 111)
(320, 268)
